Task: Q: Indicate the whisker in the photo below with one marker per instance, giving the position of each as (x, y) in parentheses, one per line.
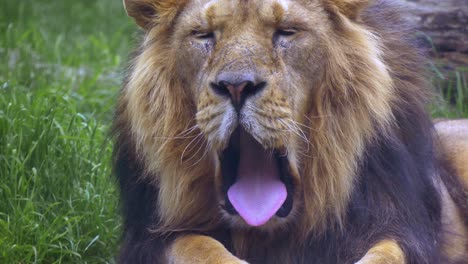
(202, 157)
(174, 137)
(181, 135)
(309, 118)
(300, 124)
(302, 153)
(198, 150)
(296, 130)
(188, 131)
(188, 145)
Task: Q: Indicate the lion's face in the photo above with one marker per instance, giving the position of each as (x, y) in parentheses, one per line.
(244, 63)
(261, 80)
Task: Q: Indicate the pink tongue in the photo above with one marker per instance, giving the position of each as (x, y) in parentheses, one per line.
(258, 192)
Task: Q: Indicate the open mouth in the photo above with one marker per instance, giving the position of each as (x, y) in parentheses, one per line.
(256, 182)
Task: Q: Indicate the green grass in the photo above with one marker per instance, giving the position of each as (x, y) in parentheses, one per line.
(452, 88)
(60, 69)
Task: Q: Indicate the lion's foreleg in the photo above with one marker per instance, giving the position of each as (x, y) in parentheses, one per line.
(198, 249)
(384, 252)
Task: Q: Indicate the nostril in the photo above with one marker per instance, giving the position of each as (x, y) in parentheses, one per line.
(221, 89)
(251, 88)
(237, 92)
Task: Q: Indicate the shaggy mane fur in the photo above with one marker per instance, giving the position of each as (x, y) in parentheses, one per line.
(368, 172)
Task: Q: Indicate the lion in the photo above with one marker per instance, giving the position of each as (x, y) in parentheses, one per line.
(284, 131)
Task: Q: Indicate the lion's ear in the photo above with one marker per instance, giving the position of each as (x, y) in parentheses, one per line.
(349, 8)
(146, 11)
(143, 11)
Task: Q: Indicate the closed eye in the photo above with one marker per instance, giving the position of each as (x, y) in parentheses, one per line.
(285, 32)
(203, 35)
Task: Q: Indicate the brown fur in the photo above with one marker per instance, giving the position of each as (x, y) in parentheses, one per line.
(453, 135)
(386, 251)
(198, 249)
(323, 106)
(334, 142)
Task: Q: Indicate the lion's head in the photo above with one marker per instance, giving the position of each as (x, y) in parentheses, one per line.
(255, 112)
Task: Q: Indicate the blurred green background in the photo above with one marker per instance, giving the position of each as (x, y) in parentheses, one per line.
(61, 65)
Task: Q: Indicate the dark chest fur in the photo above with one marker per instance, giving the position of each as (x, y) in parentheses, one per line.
(393, 198)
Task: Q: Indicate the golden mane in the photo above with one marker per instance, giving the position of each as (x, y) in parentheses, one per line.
(357, 94)
(356, 91)
(364, 113)
(162, 123)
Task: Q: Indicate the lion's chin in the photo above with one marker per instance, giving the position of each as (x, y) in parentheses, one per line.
(257, 184)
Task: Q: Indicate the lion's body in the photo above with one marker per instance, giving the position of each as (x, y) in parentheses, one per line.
(340, 92)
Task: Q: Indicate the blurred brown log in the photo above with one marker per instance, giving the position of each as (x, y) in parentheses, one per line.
(446, 23)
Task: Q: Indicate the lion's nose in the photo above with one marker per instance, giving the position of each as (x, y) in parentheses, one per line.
(237, 90)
